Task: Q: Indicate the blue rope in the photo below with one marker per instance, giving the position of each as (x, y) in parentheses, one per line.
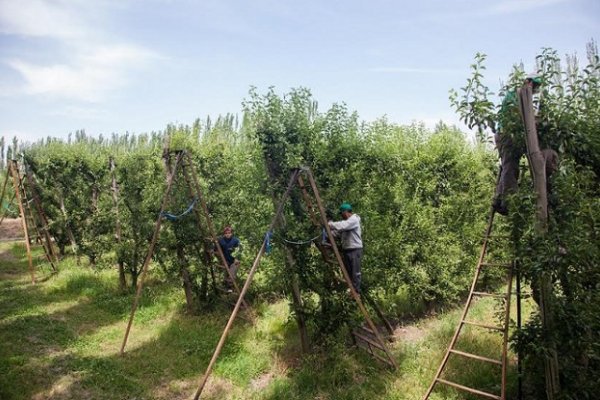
(268, 245)
(301, 242)
(324, 237)
(172, 217)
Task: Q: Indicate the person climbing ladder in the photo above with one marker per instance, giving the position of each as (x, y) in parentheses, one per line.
(350, 232)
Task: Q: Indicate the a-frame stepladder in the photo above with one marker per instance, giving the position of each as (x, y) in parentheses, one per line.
(295, 179)
(183, 163)
(36, 221)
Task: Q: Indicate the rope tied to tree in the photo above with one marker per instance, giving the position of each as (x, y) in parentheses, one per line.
(269, 245)
(301, 242)
(173, 217)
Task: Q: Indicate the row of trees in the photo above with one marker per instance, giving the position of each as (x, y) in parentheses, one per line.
(422, 196)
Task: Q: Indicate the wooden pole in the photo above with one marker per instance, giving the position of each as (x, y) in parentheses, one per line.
(338, 257)
(14, 171)
(537, 165)
(47, 240)
(245, 288)
(4, 188)
(157, 225)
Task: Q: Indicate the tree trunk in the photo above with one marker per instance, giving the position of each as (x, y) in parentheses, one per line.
(537, 164)
(70, 235)
(295, 288)
(188, 286)
(297, 301)
(122, 280)
(115, 197)
(134, 277)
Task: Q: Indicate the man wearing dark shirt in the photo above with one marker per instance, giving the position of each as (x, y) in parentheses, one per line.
(230, 244)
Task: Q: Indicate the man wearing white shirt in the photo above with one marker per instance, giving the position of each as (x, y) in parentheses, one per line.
(352, 247)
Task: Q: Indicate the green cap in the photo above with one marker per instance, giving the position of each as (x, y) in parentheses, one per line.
(535, 78)
(345, 207)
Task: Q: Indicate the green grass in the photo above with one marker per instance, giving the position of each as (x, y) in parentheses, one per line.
(59, 339)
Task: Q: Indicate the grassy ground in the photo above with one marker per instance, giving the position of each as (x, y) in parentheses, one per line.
(60, 338)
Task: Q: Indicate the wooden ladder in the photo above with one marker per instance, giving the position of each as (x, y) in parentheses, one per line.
(38, 218)
(506, 297)
(366, 337)
(183, 164)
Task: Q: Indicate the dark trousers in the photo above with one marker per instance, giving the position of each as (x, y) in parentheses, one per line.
(352, 260)
(510, 156)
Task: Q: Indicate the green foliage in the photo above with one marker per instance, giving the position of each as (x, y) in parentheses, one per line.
(421, 197)
(474, 107)
(568, 122)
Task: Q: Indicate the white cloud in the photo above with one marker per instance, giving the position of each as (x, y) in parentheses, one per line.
(86, 66)
(39, 18)
(90, 77)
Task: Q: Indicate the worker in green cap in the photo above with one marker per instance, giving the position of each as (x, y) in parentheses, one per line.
(510, 142)
(349, 230)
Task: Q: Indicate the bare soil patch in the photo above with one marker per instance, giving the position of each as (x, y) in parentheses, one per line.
(11, 229)
(409, 333)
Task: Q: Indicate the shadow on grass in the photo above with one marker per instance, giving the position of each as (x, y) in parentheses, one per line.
(60, 339)
(472, 373)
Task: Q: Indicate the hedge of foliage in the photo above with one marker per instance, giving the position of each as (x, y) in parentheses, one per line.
(423, 196)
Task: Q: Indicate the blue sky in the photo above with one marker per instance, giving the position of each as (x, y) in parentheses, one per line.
(115, 66)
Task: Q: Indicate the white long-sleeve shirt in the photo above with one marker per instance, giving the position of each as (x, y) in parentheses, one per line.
(350, 232)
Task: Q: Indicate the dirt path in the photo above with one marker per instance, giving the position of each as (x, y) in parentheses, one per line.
(11, 229)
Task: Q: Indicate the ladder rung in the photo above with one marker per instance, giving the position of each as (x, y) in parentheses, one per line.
(475, 356)
(368, 330)
(468, 389)
(377, 356)
(497, 328)
(485, 294)
(502, 265)
(368, 340)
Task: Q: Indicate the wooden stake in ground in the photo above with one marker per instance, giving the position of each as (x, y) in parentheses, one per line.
(148, 258)
(4, 190)
(537, 164)
(14, 172)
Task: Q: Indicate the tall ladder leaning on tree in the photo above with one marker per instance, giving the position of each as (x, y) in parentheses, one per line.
(295, 180)
(482, 265)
